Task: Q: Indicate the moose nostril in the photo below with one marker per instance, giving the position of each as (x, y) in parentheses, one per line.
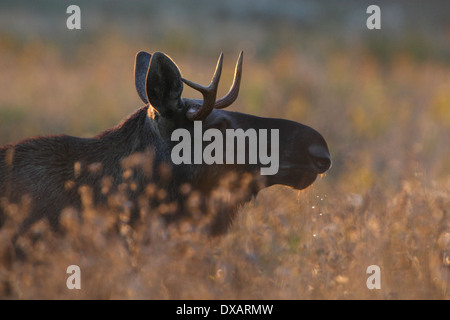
(320, 157)
(323, 164)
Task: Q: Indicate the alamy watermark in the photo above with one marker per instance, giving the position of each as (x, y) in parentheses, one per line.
(74, 280)
(374, 280)
(213, 152)
(374, 20)
(74, 20)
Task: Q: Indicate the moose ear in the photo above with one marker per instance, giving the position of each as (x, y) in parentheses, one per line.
(164, 85)
(140, 73)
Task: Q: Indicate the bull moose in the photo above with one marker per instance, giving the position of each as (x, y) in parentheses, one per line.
(51, 170)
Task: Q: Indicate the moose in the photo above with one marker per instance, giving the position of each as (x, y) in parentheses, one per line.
(51, 170)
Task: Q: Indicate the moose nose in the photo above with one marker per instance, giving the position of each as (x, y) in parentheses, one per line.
(320, 157)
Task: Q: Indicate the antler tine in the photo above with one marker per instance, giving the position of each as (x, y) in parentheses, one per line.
(232, 95)
(209, 93)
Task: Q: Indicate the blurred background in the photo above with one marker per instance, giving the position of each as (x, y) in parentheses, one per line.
(381, 99)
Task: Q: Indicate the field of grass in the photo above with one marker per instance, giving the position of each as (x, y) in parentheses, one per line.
(383, 106)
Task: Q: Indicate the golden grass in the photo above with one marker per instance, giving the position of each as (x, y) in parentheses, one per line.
(283, 245)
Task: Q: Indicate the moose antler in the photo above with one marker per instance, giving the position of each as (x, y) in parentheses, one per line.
(210, 93)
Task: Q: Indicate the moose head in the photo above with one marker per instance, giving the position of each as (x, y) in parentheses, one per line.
(303, 152)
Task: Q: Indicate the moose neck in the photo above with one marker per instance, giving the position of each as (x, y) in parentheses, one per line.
(134, 133)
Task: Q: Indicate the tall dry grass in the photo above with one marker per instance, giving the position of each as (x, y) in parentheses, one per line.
(384, 202)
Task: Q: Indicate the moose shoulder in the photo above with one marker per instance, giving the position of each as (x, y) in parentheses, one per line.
(125, 160)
